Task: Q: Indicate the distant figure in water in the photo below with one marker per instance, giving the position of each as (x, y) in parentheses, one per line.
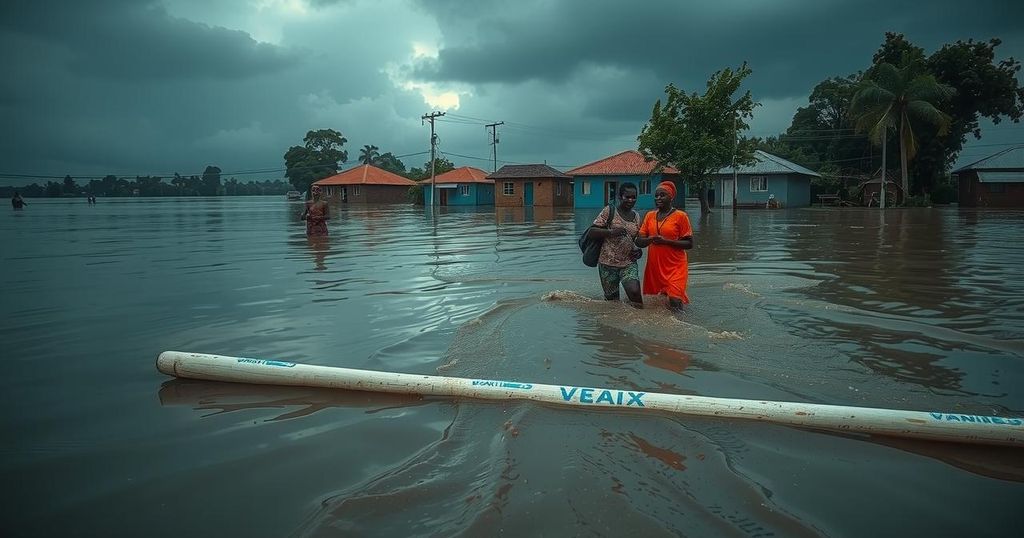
(17, 202)
(316, 214)
(91, 199)
(667, 230)
(617, 263)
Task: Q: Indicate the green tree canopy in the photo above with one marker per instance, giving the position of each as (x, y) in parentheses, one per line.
(369, 154)
(320, 156)
(698, 133)
(211, 181)
(901, 98)
(392, 164)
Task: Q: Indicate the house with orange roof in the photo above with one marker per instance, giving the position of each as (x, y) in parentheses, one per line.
(366, 184)
(531, 185)
(596, 184)
(463, 186)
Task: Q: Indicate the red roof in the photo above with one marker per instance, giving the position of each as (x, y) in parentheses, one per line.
(628, 163)
(464, 174)
(366, 174)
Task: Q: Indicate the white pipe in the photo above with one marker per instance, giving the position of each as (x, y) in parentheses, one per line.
(936, 426)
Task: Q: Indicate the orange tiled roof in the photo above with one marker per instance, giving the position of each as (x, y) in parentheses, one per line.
(463, 174)
(366, 174)
(628, 163)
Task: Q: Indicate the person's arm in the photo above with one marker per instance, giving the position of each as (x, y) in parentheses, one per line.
(685, 240)
(685, 243)
(643, 237)
(305, 211)
(327, 212)
(598, 230)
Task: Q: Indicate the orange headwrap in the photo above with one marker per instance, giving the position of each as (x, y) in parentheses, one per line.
(669, 187)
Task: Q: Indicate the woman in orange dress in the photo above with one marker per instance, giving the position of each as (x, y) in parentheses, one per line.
(667, 230)
(316, 214)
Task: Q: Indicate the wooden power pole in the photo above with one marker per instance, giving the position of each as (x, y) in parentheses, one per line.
(433, 147)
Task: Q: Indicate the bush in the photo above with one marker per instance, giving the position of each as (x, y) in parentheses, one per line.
(919, 200)
(943, 193)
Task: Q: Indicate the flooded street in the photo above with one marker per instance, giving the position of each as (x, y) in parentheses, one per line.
(919, 309)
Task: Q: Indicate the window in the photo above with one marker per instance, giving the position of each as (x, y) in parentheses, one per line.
(355, 190)
(996, 187)
(558, 188)
(508, 189)
(758, 184)
(645, 186)
(586, 188)
(465, 189)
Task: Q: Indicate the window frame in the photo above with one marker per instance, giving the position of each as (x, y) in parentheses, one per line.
(464, 189)
(508, 188)
(760, 179)
(586, 188)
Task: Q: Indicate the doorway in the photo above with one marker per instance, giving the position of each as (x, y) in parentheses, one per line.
(528, 193)
(609, 192)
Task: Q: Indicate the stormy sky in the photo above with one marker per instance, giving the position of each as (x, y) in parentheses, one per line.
(139, 87)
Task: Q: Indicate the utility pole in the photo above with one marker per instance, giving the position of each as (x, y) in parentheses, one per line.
(494, 142)
(433, 147)
(735, 171)
(881, 205)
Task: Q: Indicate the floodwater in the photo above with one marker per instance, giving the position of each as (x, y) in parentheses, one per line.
(917, 309)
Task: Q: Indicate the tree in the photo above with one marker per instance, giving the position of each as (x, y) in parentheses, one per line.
(441, 165)
(983, 88)
(369, 154)
(389, 162)
(70, 187)
(320, 156)
(698, 134)
(211, 181)
(902, 98)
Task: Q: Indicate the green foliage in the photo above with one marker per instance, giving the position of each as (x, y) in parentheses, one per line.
(944, 191)
(320, 156)
(697, 133)
(902, 98)
(369, 155)
(416, 194)
(211, 181)
(441, 165)
(389, 162)
(919, 200)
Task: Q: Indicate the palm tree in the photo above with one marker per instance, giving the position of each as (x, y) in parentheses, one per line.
(369, 154)
(899, 97)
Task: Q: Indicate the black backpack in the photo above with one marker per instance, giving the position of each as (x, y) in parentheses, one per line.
(591, 246)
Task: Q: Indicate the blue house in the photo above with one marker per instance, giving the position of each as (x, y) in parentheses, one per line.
(465, 186)
(789, 182)
(597, 184)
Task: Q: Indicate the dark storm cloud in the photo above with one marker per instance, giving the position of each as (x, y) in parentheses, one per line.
(135, 40)
(790, 45)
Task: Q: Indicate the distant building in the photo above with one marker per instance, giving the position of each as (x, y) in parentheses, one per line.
(769, 175)
(995, 181)
(464, 186)
(871, 190)
(527, 185)
(366, 184)
(596, 184)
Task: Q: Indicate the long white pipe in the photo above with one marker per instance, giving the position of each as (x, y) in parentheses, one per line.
(937, 426)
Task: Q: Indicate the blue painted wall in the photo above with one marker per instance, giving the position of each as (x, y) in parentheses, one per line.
(599, 184)
(792, 190)
(479, 194)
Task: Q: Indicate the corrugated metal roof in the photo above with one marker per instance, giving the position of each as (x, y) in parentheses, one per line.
(463, 174)
(527, 171)
(770, 164)
(628, 163)
(1012, 158)
(366, 174)
(1001, 177)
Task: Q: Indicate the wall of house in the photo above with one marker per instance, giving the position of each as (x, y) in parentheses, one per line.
(552, 192)
(504, 200)
(369, 194)
(798, 191)
(973, 193)
(598, 186)
(479, 194)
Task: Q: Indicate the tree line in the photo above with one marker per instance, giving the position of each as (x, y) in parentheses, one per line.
(208, 184)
